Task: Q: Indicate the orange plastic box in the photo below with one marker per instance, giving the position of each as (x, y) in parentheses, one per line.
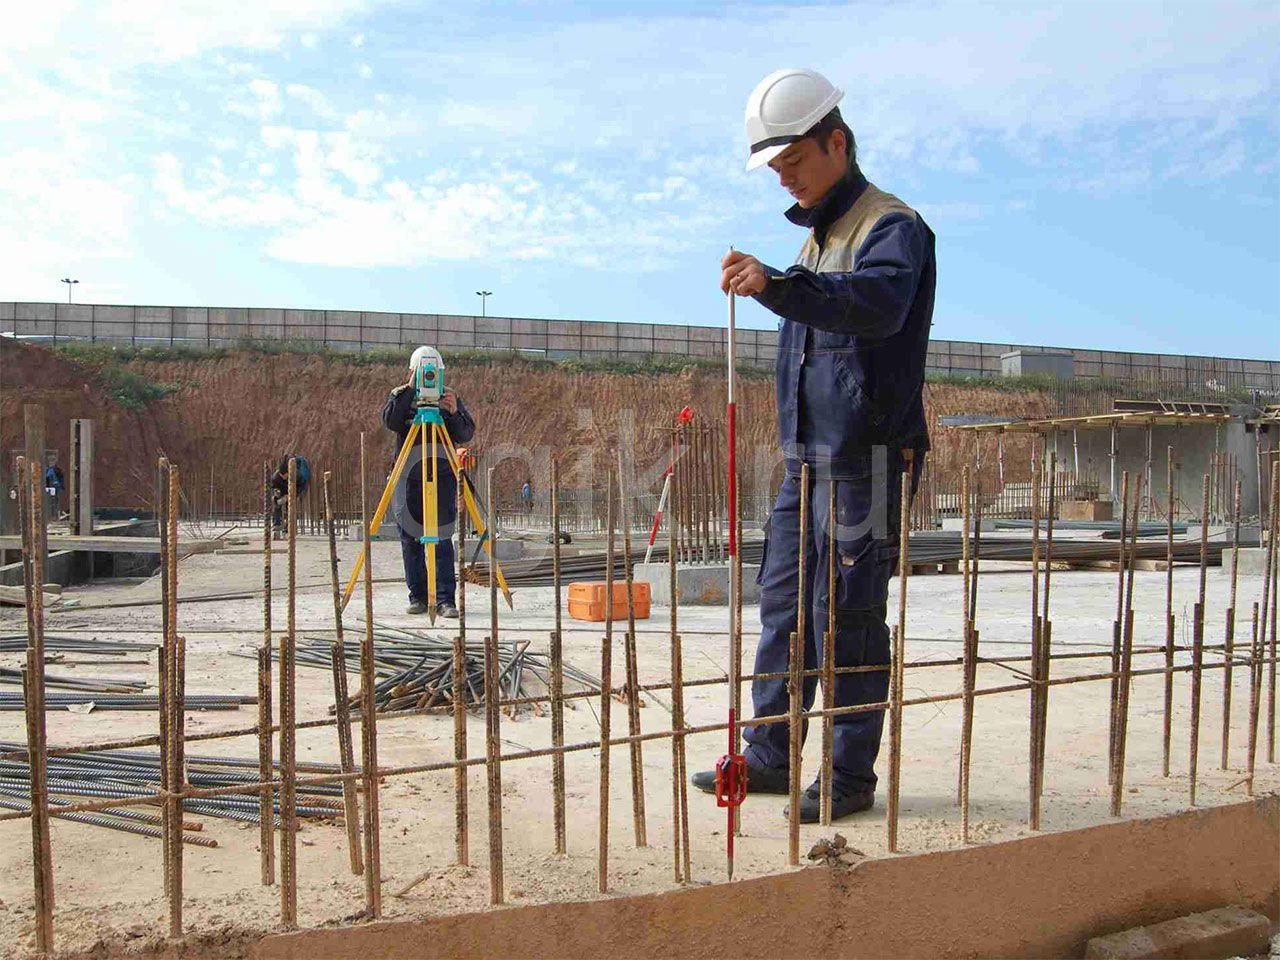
(586, 600)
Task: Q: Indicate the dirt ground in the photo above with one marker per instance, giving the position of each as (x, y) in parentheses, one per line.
(109, 886)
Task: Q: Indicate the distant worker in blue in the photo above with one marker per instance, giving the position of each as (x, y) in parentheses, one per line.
(54, 485)
(855, 315)
(280, 490)
(397, 415)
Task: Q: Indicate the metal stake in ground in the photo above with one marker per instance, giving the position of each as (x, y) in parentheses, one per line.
(633, 673)
(341, 700)
(1046, 627)
(557, 671)
(829, 663)
(177, 715)
(1274, 578)
(165, 666)
(288, 721)
(1117, 628)
(30, 495)
(369, 717)
(460, 814)
(1037, 681)
(1255, 698)
(1229, 635)
(266, 804)
(677, 691)
(493, 714)
(1126, 659)
(606, 696)
(966, 728)
(1197, 641)
(1169, 635)
(795, 685)
(898, 653)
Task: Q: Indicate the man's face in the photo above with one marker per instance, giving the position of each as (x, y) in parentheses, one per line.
(806, 172)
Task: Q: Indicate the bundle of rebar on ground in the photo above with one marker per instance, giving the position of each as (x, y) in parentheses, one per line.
(64, 700)
(123, 774)
(8, 675)
(60, 644)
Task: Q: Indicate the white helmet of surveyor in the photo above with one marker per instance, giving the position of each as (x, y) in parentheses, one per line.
(426, 355)
(783, 107)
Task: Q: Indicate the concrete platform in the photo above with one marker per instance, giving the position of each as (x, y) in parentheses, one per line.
(697, 585)
(1225, 533)
(956, 525)
(1253, 561)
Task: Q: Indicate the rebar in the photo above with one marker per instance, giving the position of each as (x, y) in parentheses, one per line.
(341, 700)
(898, 655)
(1229, 633)
(557, 673)
(1197, 640)
(606, 682)
(632, 672)
(461, 824)
(493, 719)
(829, 662)
(369, 716)
(1169, 633)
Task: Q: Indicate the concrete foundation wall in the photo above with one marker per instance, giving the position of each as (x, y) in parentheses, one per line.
(1043, 896)
(356, 330)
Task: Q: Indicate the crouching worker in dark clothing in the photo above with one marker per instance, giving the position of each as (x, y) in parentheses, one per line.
(280, 490)
(397, 415)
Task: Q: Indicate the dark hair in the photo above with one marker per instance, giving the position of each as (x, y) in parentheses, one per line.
(829, 125)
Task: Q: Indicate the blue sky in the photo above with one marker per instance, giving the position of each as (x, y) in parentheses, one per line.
(1098, 174)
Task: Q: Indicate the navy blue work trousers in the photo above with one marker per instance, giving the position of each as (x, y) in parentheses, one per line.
(412, 550)
(867, 518)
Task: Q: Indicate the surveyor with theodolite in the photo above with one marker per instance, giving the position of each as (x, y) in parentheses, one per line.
(855, 315)
(397, 415)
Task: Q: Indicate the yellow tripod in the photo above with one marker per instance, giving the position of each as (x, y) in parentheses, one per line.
(429, 425)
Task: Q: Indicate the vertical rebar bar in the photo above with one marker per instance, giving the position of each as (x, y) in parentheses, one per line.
(166, 665)
(177, 715)
(266, 803)
(1255, 697)
(966, 727)
(1169, 634)
(30, 496)
(1117, 631)
(897, 655)
(1273, 577)
(461, 825)
(606, 694)
(369, 715)
(1036, 687)
(1046, 625)
(795, 685)
(493, 713)
(632, 671)
(1229, 634)
(557, 672)
(288, 719)
(341, 700)
(1126, 660)
(829, 661)
(266, 806)
(677, 689)
(1197, 641)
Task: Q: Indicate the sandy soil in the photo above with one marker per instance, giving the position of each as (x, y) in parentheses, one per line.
(109, 884)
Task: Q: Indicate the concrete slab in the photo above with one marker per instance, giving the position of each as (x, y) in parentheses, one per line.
(1225, 533)
(1253, 561)
(956, 525)
(701, 585)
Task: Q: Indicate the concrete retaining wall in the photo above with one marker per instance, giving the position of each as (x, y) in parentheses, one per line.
(1043, 896)
(363, 330)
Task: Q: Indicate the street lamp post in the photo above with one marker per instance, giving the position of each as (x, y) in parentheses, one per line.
(69, 282)
(484, 296)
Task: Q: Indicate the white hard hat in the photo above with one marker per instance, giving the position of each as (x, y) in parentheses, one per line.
(783, 107)
(424, 354)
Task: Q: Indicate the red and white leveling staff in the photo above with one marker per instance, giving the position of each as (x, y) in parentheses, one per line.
(683, 417)
(731, 771)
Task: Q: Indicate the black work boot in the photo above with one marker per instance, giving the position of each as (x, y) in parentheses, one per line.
(416, 607)
(448, 611)
(842, 804)
(759, 780)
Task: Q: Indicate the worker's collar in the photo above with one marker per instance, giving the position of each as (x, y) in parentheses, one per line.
(831, 207)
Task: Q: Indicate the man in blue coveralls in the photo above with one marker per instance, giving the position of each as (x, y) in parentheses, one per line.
(855, 315)
(397, 415)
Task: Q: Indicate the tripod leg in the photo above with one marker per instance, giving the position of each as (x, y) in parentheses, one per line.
(473, 511)
(402, 460)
